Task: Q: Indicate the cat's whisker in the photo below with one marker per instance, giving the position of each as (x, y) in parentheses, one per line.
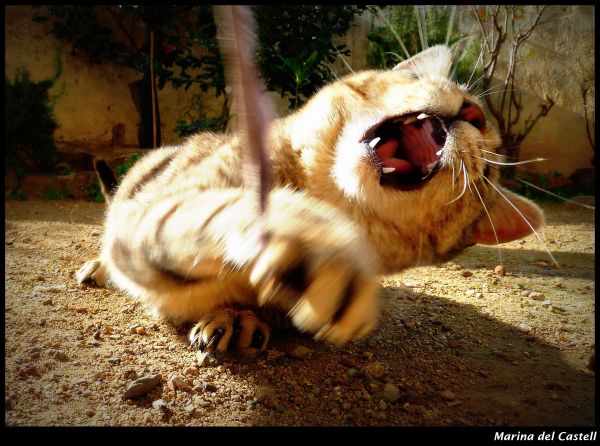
(464, 170)
(556, 195)
(525, 220)
(491, 223)
(516, 163)
(479, 58)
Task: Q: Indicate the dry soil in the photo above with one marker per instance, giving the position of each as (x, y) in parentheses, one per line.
(458, 344)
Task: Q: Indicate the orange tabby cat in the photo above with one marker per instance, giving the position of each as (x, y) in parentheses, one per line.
(378, 172)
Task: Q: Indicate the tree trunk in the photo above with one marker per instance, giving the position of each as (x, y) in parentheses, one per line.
(141, 94)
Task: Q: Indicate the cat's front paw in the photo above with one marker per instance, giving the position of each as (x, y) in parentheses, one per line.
(326, 291)
(230, 329)
(92, 272)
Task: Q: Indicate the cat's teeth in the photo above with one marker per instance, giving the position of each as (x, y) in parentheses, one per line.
(439, 152)
(388, 169)
(431, 166)
(423, 116)
(374, 142)
(409, 120)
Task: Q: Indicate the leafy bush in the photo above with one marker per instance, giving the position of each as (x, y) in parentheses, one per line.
(408, 32)
(29, 124)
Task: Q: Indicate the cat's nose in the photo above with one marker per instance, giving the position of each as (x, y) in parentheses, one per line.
(473, 114)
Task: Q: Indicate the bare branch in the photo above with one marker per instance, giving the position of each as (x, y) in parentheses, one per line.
(531, 121)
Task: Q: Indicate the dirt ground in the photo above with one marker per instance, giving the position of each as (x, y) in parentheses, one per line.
(458, 344)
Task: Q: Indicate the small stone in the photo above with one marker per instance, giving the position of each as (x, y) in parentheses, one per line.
(189, 408)
(96, 334)
(190, 371)
(390, 393)
(297, 351)
(466, 273)
(42, 322)
(95, 233)
(178, 383)
(58, 355)
(90, 413)
(453, 343)
(546, 304)
(536, 296)
(500, 270)
(197, 413)
(267, 397)
(205, 358)
(375, 370)
(47, 302)
(159, 404)
(142, 386)
(106, 330)
(211, 388)
(470, 293)
(524, 327)
(140, 330)
(448, 395)
(368, 355)
(352, 372)
(114, 361)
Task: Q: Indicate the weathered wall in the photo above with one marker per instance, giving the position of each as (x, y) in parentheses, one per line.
(96, 99)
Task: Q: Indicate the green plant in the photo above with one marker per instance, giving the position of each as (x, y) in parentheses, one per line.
(411, 29)
(17, 194)
(124, 167)
(29, 122)
(52, 193)
(94, 191)
(289, 37)
(549, 186)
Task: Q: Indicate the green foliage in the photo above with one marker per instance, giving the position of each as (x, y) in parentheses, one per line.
(411, 30)
(296, 45)
(29, 124)
(17, 194)
(52, 193)
(554, 183)
(111, 33)
(124, 167)
(94, 191)
(183, 128)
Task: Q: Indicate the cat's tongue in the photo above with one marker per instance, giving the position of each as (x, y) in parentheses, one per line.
(417, 149)
(386, 152)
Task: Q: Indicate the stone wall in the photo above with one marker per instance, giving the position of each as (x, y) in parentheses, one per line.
(95, 107)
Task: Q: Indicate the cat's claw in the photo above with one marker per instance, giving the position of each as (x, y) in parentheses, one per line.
(228, 329)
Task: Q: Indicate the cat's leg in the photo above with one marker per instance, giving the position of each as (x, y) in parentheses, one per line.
(92, 272)
(197, 257)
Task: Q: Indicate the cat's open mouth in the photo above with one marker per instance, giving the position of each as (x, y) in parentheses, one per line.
(409, 148)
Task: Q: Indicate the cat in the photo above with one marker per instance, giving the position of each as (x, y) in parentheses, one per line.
(379, 171)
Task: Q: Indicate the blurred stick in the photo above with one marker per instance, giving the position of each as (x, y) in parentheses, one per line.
(250, 108)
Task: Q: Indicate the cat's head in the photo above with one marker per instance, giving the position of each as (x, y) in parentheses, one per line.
(408, 146)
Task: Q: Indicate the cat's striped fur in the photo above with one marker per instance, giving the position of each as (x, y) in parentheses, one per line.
(181, 230)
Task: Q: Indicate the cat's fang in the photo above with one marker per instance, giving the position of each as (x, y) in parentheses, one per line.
(430, 166)
(374, 142)
(409, 120)
(423, 116)
(439, 152)
(388, 169)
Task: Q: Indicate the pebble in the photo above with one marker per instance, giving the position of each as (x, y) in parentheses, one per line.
(352, 372)
(140, 330)
(390, 393)
(546, 304)
(470, 293)
(58, 355)
(179, 383)
(190, 371)
(297, 351)
(500, 270)
(42, 322)
(266, 396)
(453, 343)
(47, 302)
(368, 355)
(49, 288)
(525, 327)
(95, 233)
(211, 388)
(142, 386)
(375, 369)
(536, 296)
(466, 273)
(448, 395)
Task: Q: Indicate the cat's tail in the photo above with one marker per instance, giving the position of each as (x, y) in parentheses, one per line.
(108, 179)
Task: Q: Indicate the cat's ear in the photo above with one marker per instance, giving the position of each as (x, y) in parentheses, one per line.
(436, 60)
(508, 224)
